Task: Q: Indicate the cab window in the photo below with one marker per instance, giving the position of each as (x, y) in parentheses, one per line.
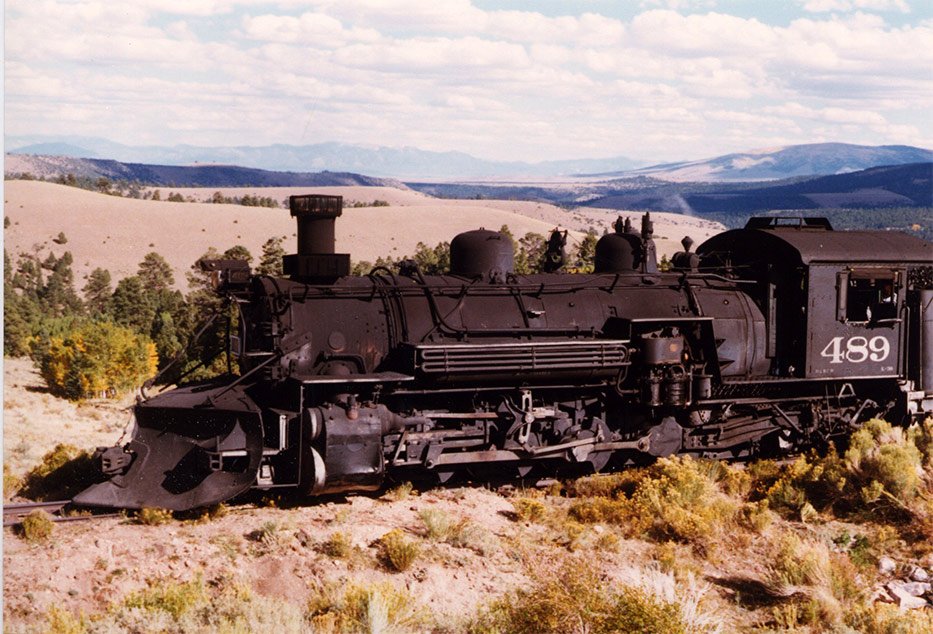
(867, 295)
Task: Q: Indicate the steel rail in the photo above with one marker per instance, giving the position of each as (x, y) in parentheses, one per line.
(13, 514)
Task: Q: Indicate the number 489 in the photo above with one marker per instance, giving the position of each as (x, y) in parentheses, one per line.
(856, 349)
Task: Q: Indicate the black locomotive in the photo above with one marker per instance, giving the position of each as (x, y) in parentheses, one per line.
(765, 339)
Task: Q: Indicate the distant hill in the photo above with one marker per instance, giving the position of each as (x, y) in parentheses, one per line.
(891, 186)
(892, 197)
(184, 175)
(896, 185)
(404, 162)
(783, 162)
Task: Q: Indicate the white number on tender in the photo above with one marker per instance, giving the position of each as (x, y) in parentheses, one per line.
(856, 349)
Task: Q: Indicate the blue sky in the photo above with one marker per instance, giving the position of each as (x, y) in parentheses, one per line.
(654, 80)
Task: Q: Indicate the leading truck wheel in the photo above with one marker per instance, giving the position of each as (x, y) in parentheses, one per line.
(192, 447)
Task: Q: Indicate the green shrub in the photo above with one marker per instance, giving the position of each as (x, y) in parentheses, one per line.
(921, 434)
(236, 610)
(173, 597)
(401, 492)
(380, 607)
(37, 526)
(602, 485)
(882, 471)
(885, 464)
(881, 618)
(437, 524)
(677, 499)
(63, 473)
(95, 359)
(827, 581)
(58, 620)
(756, 516)
(337, 545)
(600, 509)
(204, 514)
(152, 516)
(398, 552)
(529, 509)
(11, 483)
(467, 534)
(571, 597)
(608, 542)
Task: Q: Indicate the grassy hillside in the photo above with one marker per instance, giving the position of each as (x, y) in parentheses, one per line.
(114, 233)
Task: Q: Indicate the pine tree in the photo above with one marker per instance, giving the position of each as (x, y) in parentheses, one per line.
(57, 296)
(270, 263)
(129, 305)
(585, 255)
(529, 256)
(18, 315)
(433, 261)
(97, 292)
(238, 252)
(202, 301)
(155, 273)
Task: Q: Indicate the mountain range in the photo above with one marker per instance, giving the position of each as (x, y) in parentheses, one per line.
(51, 167)
(406, 162)
(784, 162)
(415, 164)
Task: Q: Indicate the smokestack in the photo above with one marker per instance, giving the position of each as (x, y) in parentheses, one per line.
(316, 262)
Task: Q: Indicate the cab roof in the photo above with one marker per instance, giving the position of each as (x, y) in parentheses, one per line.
(813, 240)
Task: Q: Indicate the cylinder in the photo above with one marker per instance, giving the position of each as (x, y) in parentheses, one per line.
(675, 392)
(481, 253)
(702, 386)
(316, 216)
(618, 253)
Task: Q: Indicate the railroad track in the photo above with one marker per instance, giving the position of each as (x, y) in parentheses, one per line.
(13, 514)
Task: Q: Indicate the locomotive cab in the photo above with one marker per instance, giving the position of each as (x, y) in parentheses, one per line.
(838, 304)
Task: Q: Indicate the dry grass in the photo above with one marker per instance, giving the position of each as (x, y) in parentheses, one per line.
(438, 525)
(338, 545)
(570, 595)
(151, 516)
(398, 552)
(529, 509)
(375, 608)
(675, 499)
(36, 527)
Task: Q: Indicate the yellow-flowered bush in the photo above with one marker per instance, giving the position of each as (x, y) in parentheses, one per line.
(95, 359)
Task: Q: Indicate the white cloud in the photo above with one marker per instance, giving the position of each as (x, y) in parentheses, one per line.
(420, 54)
(450, 75)
(830, 115)
(679, 5)
(457, 16)
(312, 29)
(823, 6)
(710, 33)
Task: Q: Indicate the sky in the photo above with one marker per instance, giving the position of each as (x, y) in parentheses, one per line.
(652, 80)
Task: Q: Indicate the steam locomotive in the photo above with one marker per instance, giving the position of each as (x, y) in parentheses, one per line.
(763, 340)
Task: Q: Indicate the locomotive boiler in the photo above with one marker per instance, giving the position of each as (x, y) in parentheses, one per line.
(765, 339)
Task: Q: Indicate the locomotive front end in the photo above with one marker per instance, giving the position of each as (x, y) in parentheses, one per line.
(191, 447)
